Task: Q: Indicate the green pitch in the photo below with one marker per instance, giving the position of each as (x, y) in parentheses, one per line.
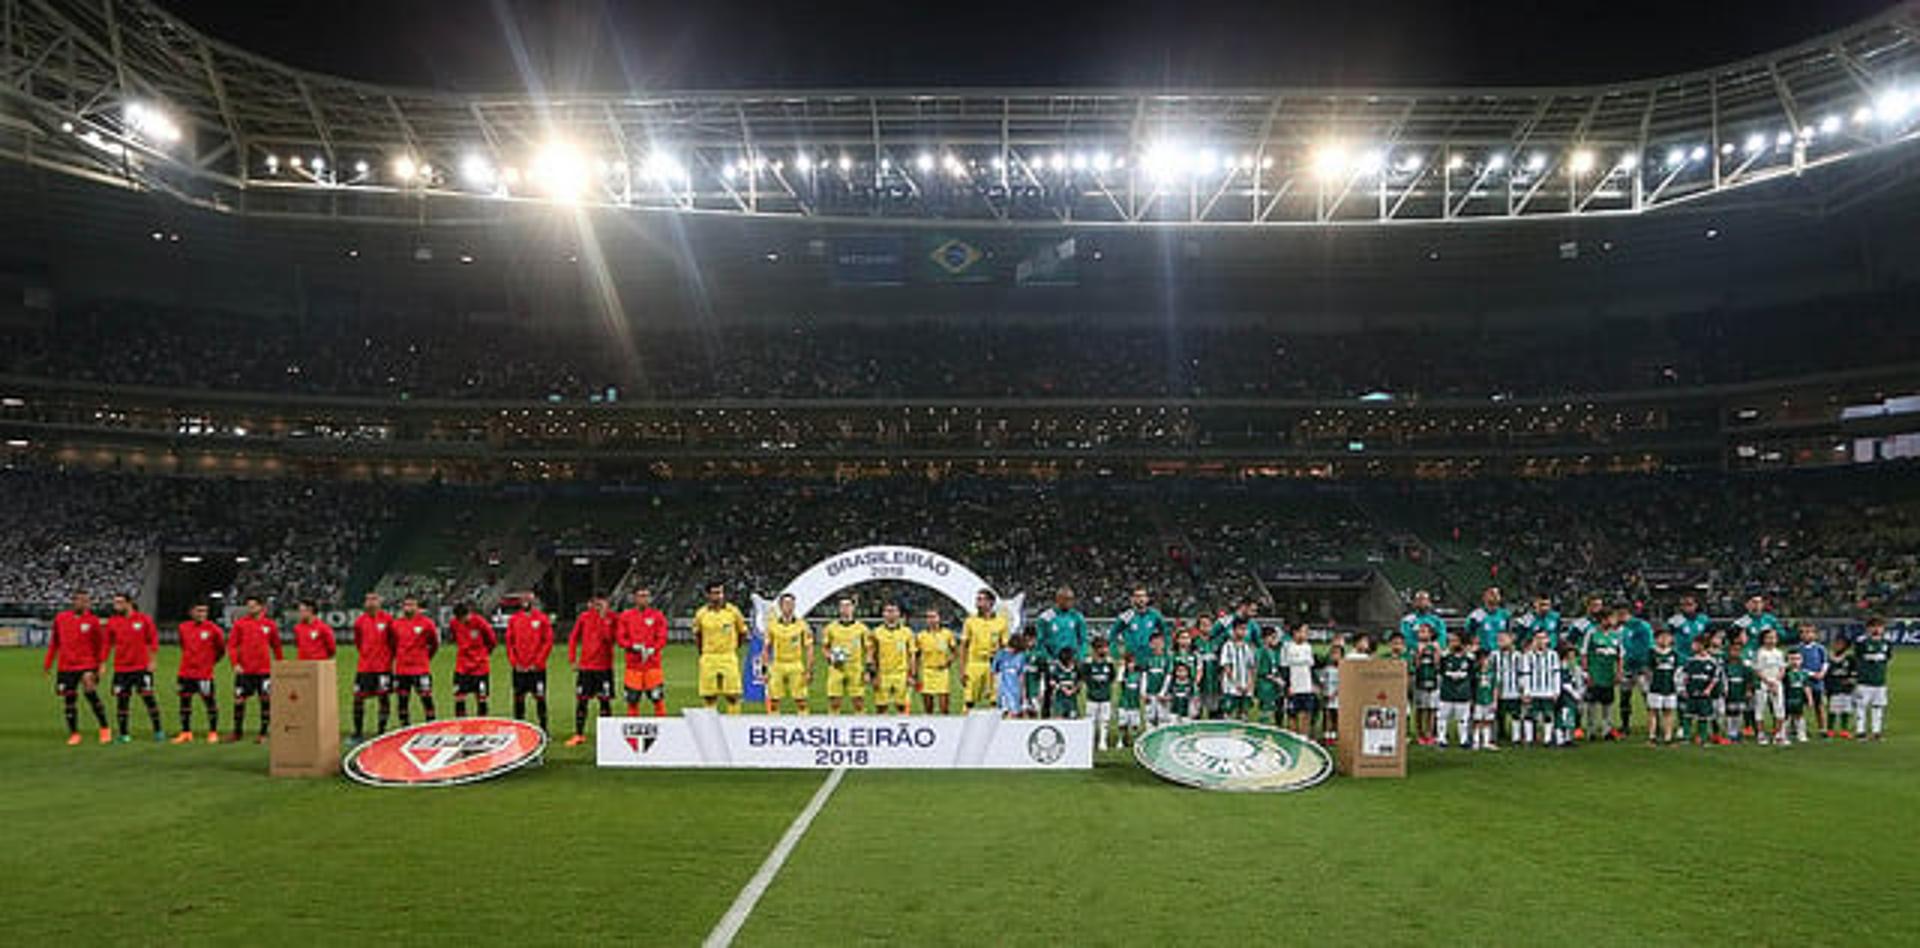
(1616, 844)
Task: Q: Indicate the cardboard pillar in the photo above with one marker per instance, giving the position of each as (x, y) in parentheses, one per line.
(1373, 718)
(306, 720)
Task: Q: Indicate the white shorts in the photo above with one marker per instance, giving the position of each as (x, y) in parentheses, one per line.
(1129, 717)
(1842, 704)
(1426, 699)
(1158, 713)
(1453, 711)
(1483, 713)
(1869, 696)
(1662, 702)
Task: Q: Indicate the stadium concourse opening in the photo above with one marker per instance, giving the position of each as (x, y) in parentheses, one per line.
(1141, 420)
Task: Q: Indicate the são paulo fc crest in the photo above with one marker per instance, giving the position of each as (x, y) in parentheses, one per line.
(640, 735)
(446, 753)
(1235, 756)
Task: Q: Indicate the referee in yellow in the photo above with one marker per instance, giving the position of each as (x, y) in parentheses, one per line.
(718, 629)
(980, 636)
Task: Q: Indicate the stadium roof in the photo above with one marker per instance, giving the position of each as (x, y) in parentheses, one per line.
(122, 91)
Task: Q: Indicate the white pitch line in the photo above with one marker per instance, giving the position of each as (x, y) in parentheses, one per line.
(729, 925)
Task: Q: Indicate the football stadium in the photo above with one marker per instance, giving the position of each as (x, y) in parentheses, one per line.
(913, 491)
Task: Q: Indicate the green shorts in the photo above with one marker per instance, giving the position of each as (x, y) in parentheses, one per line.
(1699, 707)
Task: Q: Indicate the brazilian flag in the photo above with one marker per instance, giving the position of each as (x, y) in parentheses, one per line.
(946, 259)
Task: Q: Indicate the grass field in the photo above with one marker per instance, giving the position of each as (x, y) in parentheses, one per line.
(1615, 844)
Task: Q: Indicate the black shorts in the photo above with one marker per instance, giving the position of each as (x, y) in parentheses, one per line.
(194, 686)
(1509, 707)
(68, 682)
(371, 684)
(127, 683)
(1303, 703)
(410, 684)
(246, 686)
(1599, 695)
(470, 684)
(593, 683)
(530, 682)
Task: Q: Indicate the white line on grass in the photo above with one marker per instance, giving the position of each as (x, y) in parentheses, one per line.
(729, 925)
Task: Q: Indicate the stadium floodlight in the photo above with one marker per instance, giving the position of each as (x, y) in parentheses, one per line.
(1783, 139)
(361, 168)
(477, 171)
(1676, 156)
(1079, 161)
(803, 161)
(998, 163)
(1102, 161)
(1329, 161)
(924, 162)
(729, 171)
(296, 162)
(273, 164)
(1456, 161)
(1496, 162)
(846, 163)
(1863, 115)
(150, 122)
(1371, 161)
(1057, 162)
(666, 169)
(955, 166)
(1830, 125)
(1537, 161)
(1699, 153)
(1162, 159)
(1727, 148)
(1755, 143)
(1266, 161)
(886, 164)
(1205, 161)
(1629, 161)
(1893, 106)
(318, 164)
(559, 170)
(1412, 163)
(404, 169)
(1581, 161)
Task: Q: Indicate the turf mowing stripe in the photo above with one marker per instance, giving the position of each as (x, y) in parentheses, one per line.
(729, 925)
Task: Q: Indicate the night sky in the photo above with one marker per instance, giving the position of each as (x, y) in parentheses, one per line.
(715, 44)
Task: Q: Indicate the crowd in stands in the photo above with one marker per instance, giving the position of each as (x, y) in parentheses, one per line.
(1831, 543)
(915, 358)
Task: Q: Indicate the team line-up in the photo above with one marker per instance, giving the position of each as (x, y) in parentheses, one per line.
(1530, 678)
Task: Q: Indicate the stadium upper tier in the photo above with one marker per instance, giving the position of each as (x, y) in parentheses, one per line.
(120, 91)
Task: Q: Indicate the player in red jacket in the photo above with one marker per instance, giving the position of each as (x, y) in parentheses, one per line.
(202, 643)
(590, 649)
(529, 642)
(473, 643)
(415, 639)
(643, 634)
(252, 647)
(313, 639)
(134, 640)
(373, 671)
(77, 644)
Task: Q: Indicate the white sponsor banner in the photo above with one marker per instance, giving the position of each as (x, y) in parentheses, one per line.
(981, 740)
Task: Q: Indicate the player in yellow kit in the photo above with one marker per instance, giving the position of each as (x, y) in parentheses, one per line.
(790, 643)
(980, 636)
(845, 642)
(718, 630)
(933, 647)
(892, 661)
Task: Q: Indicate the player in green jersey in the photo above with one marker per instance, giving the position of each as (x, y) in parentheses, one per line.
(1156, 677)
(1034, 682)
(1738, 691)
(1842, 671)
(1663, 688)
(1799, 695)
(1484, 688)
(1455, 672)
(1700, 678)
(1271, 688)
(1132, 683)
(1426, 686)
(1871, 656)
(1063, 684)
(1133, 628)
(1601, 656)
(1180, 694)
(1096, 679)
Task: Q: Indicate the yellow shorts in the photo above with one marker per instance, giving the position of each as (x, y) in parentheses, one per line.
(787, 680)
(846, 681)
(979, 683)
(936, 681)
(890, 688)
(719, 675)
